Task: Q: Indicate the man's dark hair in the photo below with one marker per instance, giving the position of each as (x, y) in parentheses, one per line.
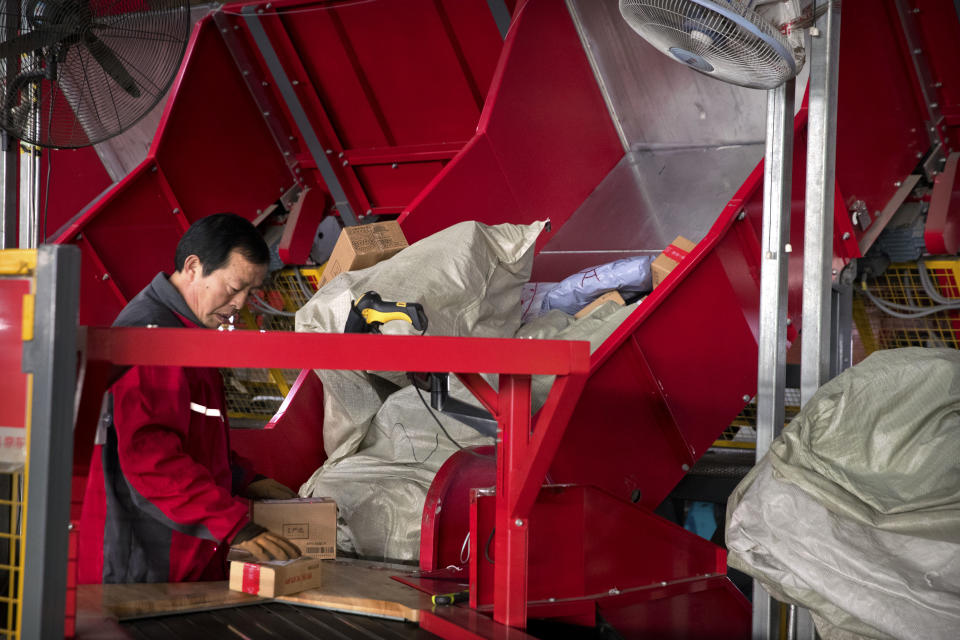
(213, 238)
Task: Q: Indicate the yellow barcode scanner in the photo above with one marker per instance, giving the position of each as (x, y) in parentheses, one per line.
(369, 312)
(450, 598)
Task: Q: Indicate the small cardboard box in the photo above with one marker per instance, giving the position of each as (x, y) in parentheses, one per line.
(670, 258)
(272, 579)
(309, 523)
(610, 296)
(363, 246)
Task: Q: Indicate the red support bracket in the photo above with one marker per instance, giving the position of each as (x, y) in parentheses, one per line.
(942, 231)
(510, 571)
(301, 227)
(481, 390)
(548, 432)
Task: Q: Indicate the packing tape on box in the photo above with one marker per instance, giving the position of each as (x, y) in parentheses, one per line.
(675, 253)
(251, 578)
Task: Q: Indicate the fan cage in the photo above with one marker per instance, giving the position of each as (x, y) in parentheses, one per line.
(65, 65)
(727, 40)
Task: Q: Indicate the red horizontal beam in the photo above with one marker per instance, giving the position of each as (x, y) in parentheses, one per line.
(289, 350)
(405, 153)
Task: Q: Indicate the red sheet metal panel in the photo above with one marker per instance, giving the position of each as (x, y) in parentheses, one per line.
(552, 155)
(682, 383)
(213, 144)
(880, 116)
(360, 58)
(472, 187)
(707, 608)
(545, 147)
(13, 392)
(385, 84)
(135, 236)
(939, 22)
(446, 513)
(607, 547)
(197, 165)
(293, 436)
(396, 86)
(76, 177)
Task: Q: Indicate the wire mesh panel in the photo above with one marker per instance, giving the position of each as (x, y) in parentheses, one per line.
(254, 395)
(11, 558)
(742, 432)
(909, 306)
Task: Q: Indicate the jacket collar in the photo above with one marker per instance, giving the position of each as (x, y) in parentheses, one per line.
(168, 295)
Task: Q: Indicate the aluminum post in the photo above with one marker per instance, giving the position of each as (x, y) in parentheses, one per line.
(818, 320)
(9, 185)
(818, 214)
(771, 366)
(842, 329)
(51, 358)
(9, 149)
(29, 196)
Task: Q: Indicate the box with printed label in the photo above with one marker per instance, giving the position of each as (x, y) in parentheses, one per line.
(363, 246)
(667, 261)
(309, 523)
(277, 578)
(610, 296)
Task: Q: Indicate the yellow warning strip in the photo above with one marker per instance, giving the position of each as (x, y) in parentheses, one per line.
(18, 262)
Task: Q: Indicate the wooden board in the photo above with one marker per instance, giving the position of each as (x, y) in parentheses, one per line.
(126, 601)
(348, 585)
(361, 587)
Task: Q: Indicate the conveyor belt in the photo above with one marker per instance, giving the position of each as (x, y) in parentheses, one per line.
(271, 621)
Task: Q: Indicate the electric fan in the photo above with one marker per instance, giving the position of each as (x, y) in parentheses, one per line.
(76, 72)
(732, 40)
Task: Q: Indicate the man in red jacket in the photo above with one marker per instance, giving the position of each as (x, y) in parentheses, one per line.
(161, 502)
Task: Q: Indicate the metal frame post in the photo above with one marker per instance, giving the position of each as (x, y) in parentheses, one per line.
(841, 333)
(9, 187)
(771, 365)
(29, 201)
(512, 535)
(51, 358)
(300, 117)
(818, 212)
(9, 149)
(820, 326)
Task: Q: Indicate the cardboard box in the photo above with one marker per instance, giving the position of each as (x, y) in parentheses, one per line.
(309, 523)
(363, 246)
(670, 258)
(272, 579)
(611, 296)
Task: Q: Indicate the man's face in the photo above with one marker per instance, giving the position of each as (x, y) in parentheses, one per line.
(216, 297)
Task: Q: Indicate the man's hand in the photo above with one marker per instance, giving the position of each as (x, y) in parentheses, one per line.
(263, 545)
(268, 489)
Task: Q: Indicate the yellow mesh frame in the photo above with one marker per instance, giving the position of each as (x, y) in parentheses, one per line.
(254, 395)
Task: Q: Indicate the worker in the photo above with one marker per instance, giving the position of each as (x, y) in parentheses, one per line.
(162, 499)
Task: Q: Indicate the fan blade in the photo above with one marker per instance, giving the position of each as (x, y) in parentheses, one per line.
(32, 40)
(111, 64)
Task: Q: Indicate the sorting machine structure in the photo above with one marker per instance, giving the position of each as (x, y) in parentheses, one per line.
(436, 112)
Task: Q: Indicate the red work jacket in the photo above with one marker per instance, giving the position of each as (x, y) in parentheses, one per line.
(161, 501)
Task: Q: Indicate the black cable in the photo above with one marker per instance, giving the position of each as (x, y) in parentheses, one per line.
(440, 424)
(46, 194)
(486, 547)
